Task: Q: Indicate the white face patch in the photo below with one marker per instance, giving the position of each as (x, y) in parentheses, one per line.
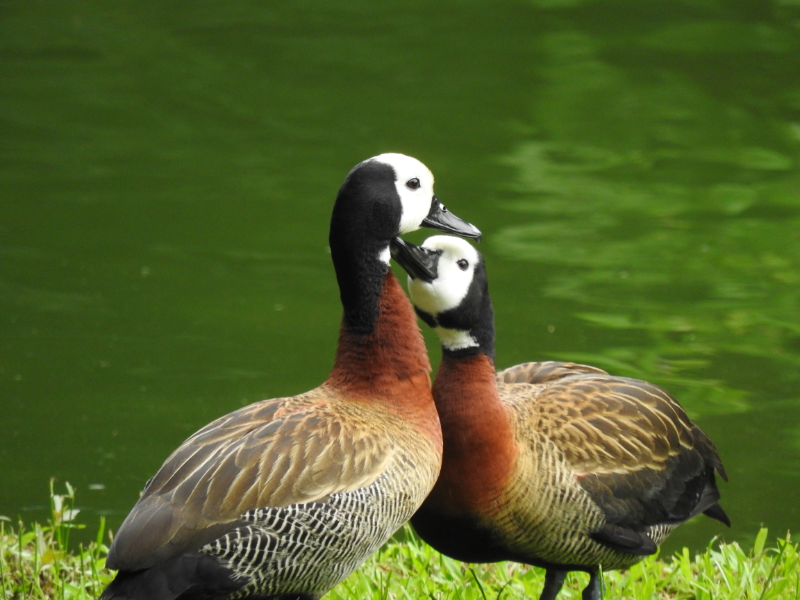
(416, 203)
(455, 270)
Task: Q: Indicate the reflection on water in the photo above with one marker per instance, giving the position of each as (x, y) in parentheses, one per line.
(659, 207)
(167, 178)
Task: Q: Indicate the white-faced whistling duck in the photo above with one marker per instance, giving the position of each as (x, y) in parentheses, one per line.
(283, 498)
(551, 464)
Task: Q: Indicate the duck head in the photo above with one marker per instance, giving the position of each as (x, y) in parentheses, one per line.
(450, 292)
(386, 196)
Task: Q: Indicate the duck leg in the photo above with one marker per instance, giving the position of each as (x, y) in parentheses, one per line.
(553, 580)
(594, 591)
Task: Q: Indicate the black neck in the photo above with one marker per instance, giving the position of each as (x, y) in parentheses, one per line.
(360, 276)
(365, 219)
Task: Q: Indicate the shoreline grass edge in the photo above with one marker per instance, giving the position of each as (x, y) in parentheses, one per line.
(37, 563)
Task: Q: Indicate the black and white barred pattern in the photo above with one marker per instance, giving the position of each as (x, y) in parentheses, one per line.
(311, 547)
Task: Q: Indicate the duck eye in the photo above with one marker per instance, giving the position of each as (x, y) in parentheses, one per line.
(462, 263)
(413, 184)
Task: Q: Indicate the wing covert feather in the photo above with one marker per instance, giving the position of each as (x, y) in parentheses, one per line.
(606, 424)
(543, 372)
(269, 454)
(629, 444)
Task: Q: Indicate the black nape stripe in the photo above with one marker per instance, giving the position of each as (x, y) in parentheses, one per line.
(366, 217)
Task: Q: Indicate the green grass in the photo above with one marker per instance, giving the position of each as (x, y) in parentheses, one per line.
(412, 570)
(37, 562)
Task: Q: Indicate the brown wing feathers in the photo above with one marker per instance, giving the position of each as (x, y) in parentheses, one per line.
(542, 372)
(242, 461)
(632, 447)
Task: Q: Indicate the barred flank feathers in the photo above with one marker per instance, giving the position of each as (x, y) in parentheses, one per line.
(314, 546)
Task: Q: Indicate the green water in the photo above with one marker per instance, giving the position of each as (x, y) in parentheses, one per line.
(167, 172)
